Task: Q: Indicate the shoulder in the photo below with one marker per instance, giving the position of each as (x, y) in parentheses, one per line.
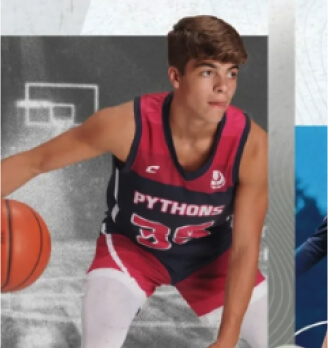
(116, 115)
(111, 129)
(254, 161)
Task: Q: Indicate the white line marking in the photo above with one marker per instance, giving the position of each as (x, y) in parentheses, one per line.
(29, 85)
(62, 278)
(37, 295)
(180, 325)
(34, 103)
(77, 320)
(40, 317)
(29, 103)
(41, 296)
(306, 328)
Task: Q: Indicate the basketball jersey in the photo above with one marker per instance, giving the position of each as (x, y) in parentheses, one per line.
(182, 218)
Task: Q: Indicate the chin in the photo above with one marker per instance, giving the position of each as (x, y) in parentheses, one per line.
(215, 117)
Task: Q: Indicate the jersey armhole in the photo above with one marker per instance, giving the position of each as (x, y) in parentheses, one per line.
(125, 166)
(243, 139)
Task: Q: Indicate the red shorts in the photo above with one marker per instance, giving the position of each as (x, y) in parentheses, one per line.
(203, 290)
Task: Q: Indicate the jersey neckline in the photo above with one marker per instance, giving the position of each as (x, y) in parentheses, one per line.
(192, 175)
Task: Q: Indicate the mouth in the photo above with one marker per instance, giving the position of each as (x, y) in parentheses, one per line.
(219, 105)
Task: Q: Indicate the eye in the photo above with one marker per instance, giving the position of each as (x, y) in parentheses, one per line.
(207, 73)
(232, 74)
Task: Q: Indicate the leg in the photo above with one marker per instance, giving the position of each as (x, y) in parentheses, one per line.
(111, 301)
(119, 281)
(204, 292)
(254, 328)
(255, 325)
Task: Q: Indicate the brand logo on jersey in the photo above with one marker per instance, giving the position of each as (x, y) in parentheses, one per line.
(218, 180)
(152, 169)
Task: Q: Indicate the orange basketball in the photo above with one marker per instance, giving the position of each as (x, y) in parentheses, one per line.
(25, 245)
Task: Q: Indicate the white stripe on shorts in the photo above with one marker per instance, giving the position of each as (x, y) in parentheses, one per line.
(114, 255)
(115, 209)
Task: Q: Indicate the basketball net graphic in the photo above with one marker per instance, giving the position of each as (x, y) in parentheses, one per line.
(218, 180)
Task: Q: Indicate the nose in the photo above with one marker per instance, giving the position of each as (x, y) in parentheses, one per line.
(220, 85)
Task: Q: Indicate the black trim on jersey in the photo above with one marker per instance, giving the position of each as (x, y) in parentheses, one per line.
(137, 136)
(169, 141)
(244, 136)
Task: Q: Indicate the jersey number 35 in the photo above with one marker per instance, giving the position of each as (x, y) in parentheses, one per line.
(156, 235)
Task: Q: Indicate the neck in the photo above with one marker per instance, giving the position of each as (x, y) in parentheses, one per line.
(185, 124)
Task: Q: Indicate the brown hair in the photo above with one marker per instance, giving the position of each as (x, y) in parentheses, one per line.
(204, 37)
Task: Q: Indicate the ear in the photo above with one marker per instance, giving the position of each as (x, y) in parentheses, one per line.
(174, 77)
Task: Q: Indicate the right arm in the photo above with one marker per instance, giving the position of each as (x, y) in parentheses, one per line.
(108, 130)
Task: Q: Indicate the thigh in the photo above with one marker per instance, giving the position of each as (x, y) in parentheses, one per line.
(110, 303)
(254, 328)
(115, 251)
(204, 289)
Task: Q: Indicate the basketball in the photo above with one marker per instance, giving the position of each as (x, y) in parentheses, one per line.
(25, 245)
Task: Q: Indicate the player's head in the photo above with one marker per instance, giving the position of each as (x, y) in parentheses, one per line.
(204, 54)
(204, 38)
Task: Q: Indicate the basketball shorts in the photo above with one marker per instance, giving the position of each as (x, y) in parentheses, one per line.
(203, 290)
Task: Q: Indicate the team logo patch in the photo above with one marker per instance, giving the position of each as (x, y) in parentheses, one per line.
(218, 180)
(152, 169)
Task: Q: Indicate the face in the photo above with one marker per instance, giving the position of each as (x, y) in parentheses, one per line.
(206, 87)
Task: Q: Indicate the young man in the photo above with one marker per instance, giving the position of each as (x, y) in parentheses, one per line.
(184, 163)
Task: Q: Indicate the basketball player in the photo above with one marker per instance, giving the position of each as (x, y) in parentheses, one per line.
(184, 163)
(313, 250)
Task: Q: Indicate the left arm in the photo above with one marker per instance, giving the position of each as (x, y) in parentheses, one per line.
(249, 214)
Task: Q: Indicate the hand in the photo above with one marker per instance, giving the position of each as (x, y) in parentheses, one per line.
(228, 337)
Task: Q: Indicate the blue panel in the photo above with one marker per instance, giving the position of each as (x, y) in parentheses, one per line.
(311, 206)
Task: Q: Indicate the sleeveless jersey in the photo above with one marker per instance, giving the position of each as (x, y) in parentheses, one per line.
(182, 218)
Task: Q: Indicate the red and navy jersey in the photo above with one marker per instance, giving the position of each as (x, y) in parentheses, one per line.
(183, 218)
